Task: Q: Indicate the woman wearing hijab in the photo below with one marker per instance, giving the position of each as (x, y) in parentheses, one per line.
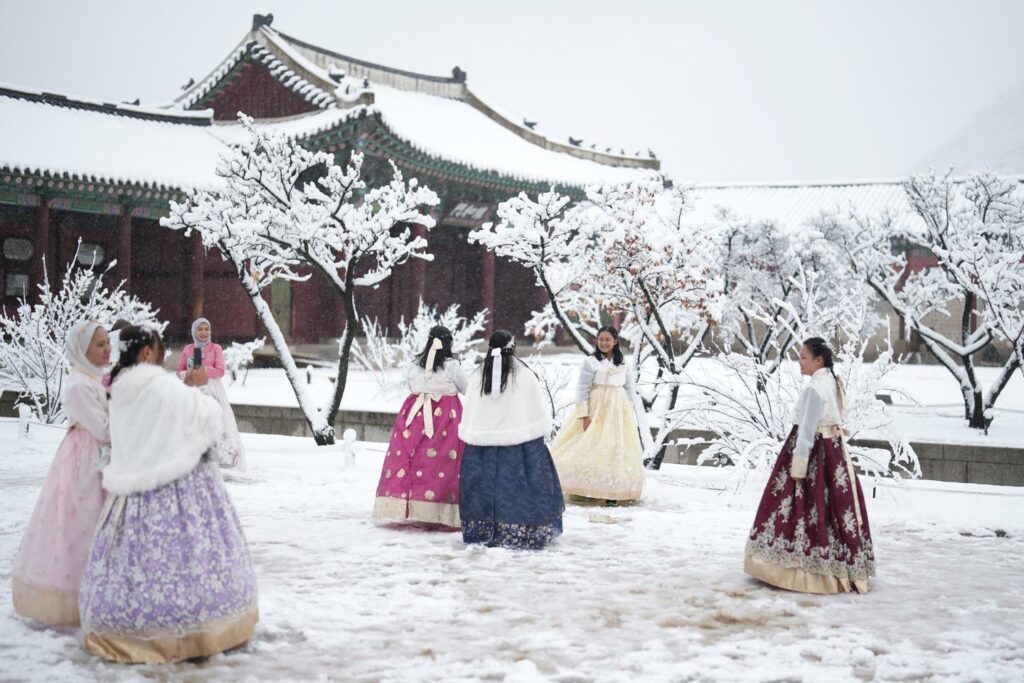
(230, 452)
(52, 556)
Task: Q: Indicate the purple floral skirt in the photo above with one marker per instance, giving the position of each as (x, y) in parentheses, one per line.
(169, 575)
(812, 535)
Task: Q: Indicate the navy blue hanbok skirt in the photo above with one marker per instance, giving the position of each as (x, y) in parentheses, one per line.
(510, 496)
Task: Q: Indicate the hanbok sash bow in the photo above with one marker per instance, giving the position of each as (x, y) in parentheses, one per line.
(495, 371)
(425, 400)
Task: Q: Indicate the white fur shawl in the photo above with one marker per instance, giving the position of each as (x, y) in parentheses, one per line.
(159, 429)
(516, 415)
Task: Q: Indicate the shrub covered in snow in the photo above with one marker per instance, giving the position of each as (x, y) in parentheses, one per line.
(32, 340)
(379, 355)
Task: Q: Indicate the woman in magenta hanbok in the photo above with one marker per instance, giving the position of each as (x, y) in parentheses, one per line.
(49, 565)
(420, 478)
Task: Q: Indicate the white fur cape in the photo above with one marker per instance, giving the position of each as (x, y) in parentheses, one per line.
(159, 429)
(516, 415)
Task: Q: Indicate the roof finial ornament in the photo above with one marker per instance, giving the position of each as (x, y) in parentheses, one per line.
(575, 142)
(259, 20)
(458, 75)
(188, 85)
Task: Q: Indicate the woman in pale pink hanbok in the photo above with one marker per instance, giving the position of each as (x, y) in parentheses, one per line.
(230, 452)
(52, 556)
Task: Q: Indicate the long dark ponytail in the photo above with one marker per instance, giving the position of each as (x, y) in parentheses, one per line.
(442, 354)
(503, 341)
(131, 340)
(819, 348)
(617, 358)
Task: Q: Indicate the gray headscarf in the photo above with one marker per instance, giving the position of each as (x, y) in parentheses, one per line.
(195, 327)
(77, 344)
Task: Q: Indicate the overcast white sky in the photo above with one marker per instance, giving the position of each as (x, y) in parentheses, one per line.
(722, 91)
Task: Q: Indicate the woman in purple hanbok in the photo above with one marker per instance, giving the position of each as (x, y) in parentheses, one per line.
(811, 530)
(169, 575)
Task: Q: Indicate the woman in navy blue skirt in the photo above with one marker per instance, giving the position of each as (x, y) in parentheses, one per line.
(509, 491)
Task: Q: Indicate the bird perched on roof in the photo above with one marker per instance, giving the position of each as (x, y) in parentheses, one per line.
(607, 149)
(134, 102)
(593, 146)
(529, 124)
(622, 152)
(366, 82)
(575, 142)
(188, 85)
(651, 154)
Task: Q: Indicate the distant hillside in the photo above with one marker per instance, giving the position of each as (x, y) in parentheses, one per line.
(993, 139)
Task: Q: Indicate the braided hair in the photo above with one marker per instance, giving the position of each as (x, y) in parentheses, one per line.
(819, 348)
(132, 340)
(617, 358)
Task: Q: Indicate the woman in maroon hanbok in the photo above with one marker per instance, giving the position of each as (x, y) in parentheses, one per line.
(811, 530)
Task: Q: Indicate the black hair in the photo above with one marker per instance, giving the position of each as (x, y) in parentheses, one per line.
(444, 353)
(617, 358)
(502, 339)
(132, 340)
(819, 348)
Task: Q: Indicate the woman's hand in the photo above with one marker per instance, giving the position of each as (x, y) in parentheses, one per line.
(586, 423)
(196, 377)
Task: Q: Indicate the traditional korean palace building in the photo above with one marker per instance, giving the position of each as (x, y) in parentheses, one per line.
(73, 169)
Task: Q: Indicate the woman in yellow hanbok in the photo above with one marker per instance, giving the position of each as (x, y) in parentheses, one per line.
(598, 452)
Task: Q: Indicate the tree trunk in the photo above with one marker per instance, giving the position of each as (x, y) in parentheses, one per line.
(344, 349)
(323, 431)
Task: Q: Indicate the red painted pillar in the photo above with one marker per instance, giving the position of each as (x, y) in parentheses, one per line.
(196, 286)
(124, 247)
(487, 290)
(43, 248)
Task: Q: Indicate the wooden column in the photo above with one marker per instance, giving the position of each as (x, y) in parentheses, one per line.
(196, 285)
(487, 290)
(124, 247)
(43, 247)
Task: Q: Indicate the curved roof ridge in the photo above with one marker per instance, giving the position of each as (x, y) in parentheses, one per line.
(202, 117)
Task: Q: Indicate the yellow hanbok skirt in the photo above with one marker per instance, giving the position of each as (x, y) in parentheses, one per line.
(605, 461)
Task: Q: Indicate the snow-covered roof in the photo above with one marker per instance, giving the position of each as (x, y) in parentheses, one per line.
(97, 142)
(794, 204)
(438, 115)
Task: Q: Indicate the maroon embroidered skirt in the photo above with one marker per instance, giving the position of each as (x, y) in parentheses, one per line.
(807, 535)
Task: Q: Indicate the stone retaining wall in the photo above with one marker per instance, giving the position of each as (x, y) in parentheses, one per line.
(942, 462)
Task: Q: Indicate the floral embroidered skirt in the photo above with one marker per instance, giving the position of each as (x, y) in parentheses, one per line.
(606, 461)
(511, 496)
(50, 561)
(812, 536)
(169, 575)
(420, 477)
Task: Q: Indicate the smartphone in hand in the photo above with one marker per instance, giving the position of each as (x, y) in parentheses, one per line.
(197, 358)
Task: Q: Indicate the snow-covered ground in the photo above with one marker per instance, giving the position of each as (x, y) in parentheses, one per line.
(929, 411)
(659, 596)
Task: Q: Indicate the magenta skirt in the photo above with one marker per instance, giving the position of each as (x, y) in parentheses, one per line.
(812, 535)
(420, 477)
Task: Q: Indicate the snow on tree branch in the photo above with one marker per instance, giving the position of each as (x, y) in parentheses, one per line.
(284, 212)
(32, 340)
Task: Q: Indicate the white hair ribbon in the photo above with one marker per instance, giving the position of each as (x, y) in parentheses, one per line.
(435, 346)
(495, 371)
